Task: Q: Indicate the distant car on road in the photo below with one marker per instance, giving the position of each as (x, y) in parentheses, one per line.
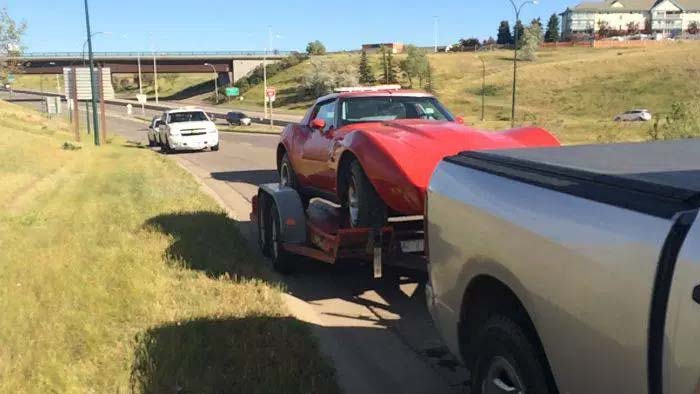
(187, 129)
(153, 137)
(238, 119)
(635, 115)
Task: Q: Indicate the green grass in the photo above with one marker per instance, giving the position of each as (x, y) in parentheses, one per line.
(117, 274)
(254, 128)
(125, 86)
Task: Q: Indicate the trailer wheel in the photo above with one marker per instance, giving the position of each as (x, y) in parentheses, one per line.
(365, 207)
(264, 225)
(282, 261)
(506, 361)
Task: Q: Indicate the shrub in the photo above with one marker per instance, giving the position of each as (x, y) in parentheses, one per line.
(683, 121)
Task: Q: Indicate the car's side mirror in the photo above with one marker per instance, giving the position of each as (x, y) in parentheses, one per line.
(318, 124)
(459, 120)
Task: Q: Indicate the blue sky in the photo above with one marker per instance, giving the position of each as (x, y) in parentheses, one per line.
(172, 25)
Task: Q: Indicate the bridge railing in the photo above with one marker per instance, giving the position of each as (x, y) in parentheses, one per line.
(151, 54)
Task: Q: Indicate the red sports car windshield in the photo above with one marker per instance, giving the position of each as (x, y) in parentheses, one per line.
(381, 109)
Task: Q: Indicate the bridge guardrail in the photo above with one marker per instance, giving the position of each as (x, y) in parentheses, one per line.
(150, 54)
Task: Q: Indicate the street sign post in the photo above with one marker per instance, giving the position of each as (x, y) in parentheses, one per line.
(271, 94)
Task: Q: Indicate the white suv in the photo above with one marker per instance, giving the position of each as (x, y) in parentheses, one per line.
(187, 129)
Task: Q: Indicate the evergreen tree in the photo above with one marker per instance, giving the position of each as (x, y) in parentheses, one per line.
(385, 64)
(392, 74)
(504, 37)
(552, 33)
(366, 73)
(519, 32)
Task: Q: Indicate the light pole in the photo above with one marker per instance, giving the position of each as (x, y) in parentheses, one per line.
(155, 75)
(216, 83)
(96, 127)
(517, 10)
(483, 87)
(435, 32)
(268, 47)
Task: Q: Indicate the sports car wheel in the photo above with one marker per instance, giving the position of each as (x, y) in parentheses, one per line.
(287, 175)
(365, 207)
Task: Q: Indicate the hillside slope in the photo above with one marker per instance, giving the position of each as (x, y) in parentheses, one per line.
(574, 92)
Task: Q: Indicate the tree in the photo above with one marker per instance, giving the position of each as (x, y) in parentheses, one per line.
(392, 75)
(633, 28)
(604, 29)
(504, 36)
(466, 44)
(316, 48)
(487, 43)
(532, 38)
(552, 33)
(365, 70)
(10, 43)
(519, 32)
(415, 65)
(693, 28)
(324, 76)
(384, 64)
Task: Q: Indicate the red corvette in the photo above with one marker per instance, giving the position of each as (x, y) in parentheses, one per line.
(374, 151)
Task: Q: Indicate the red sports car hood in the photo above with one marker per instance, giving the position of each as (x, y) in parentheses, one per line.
(417, 146)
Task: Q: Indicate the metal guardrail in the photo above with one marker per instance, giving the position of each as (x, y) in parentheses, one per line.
(150, 54)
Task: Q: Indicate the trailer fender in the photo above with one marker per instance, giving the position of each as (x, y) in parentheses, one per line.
(290, 211)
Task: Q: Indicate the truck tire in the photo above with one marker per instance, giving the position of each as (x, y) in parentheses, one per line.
(215, 148)
(365, 207)
(282, 261)
(506, 360)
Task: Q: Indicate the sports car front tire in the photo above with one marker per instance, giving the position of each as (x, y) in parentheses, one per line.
(365, 207)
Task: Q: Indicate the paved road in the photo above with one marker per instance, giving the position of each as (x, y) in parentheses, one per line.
(378, 332)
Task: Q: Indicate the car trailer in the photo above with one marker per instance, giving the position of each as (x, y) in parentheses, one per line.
(322, 232)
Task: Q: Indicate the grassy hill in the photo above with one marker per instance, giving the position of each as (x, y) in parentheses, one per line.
(119, 275)
(574, 92)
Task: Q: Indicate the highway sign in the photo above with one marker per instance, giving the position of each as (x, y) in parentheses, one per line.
(10, 78)
(232, 92)
(141, 98)
(271, 92)
(84, 85)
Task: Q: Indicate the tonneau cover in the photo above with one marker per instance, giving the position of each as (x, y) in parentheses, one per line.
(668, 171)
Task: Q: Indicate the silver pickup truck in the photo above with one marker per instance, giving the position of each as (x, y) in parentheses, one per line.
(569, 270)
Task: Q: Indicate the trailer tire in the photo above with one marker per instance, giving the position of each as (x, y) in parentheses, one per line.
(365, 207)
(263, 225)
(282, 261)
(506, 360)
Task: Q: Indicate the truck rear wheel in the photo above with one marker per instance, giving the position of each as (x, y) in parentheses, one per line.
(506, 360)
(365, 207)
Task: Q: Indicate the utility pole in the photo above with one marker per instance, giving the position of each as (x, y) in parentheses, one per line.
(138, 61)
(515, 54)
(74, 94)
(269, 45)
(155, 75)
(483, 87)
(216, 83)
(92, 77)
(435, 32)
(103, 115)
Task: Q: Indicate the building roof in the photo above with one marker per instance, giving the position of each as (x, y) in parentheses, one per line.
(633, 5)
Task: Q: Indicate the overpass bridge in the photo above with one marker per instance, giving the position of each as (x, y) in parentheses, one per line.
(233, 64)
